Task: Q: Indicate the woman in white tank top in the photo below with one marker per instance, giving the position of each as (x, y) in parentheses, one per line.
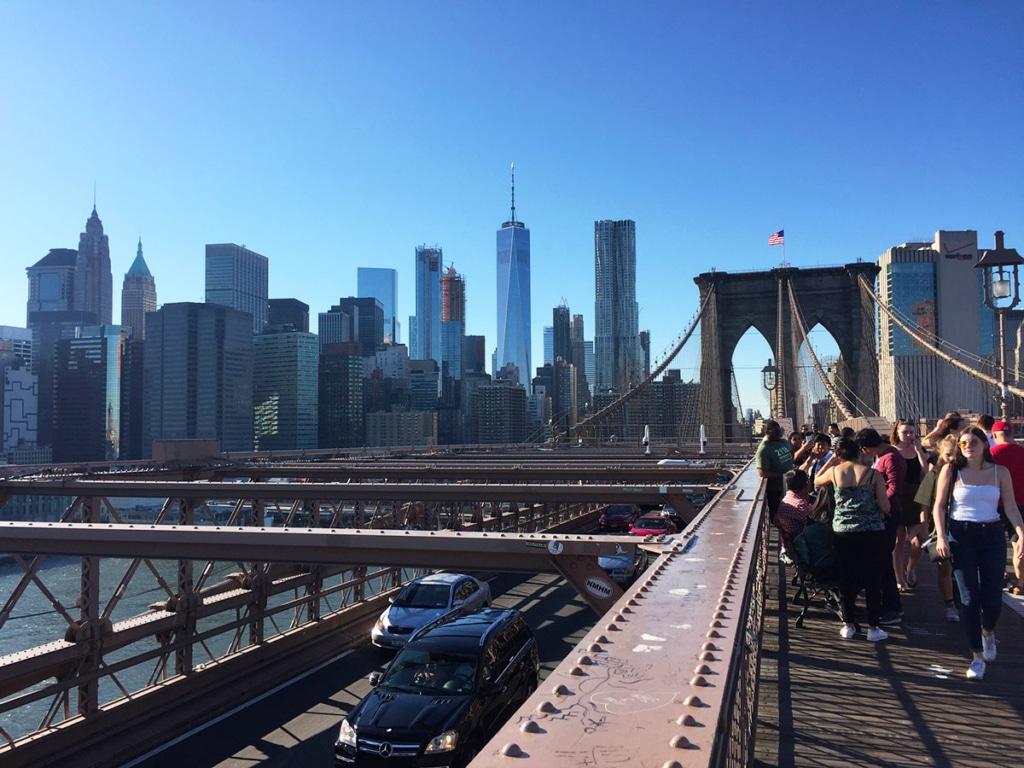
(975, 538)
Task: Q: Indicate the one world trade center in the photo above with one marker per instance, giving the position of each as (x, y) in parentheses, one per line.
(514, 295)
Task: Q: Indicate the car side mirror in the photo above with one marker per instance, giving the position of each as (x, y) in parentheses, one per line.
(375, 679)
(391, 599)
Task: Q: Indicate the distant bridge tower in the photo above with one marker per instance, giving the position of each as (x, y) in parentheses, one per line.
(830, 297)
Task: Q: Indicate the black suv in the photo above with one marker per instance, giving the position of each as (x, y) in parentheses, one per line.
(445, 694)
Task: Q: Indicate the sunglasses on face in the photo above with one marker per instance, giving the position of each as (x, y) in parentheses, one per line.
(972, 441)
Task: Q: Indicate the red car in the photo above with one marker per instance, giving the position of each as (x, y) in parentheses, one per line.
(653, 525)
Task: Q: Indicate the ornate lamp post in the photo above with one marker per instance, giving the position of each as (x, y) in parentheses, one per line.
(1002, 293)
(768, 379)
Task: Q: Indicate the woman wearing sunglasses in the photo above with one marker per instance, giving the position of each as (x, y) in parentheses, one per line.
(975, 538)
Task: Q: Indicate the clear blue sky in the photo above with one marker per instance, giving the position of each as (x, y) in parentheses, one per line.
(333, 135)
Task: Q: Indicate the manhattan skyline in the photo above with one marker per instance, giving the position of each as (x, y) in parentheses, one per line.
(852, 128)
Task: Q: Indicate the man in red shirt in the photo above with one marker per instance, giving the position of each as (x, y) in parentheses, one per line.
(1010, 455)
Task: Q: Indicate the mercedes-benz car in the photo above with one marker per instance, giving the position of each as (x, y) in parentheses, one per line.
(424, 600)
(444, 695)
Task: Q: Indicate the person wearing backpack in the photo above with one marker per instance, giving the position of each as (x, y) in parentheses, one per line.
(861, 553)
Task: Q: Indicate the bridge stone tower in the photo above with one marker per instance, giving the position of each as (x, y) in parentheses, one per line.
(829, 296)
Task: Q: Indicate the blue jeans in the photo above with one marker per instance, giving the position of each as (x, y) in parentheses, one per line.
(979, 559)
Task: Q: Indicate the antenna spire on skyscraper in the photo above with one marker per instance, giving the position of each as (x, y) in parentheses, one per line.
(513, 218)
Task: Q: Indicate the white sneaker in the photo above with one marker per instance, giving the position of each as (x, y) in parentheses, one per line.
(988, 645)
(848, 632)
(875, 634)
(977, 670)
(952, 614)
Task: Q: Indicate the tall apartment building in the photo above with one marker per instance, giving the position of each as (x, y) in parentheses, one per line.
(382, 284)
(935, 289)
(285, 391)
(425, 325)
(138, 296)
(94, 282)
(618, 364)
(87, 395)
(499, 413)
(513, 251)
(197, 374)
(561, 330)
(238, 278)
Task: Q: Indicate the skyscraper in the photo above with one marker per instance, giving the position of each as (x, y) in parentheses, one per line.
(341, 420)
(289, 315)
(561, 340)
(453, 323)
(138, 296)
(513, 246)
(94, 282)
(285, 386)
(52, 315)
(87, 395)
(382, 284)
(237, 277)
(618, 363)
(197, 373)
(366, 321)
(935, 289)
(425, 325)
(579, 359)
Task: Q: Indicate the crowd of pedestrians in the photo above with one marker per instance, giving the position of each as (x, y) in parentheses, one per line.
(961, 481)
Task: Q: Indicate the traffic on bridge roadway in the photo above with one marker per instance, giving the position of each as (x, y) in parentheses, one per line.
(295, 726)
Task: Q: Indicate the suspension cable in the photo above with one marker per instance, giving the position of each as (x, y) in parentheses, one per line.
(598, 417)
(920, 339)
(798, 317)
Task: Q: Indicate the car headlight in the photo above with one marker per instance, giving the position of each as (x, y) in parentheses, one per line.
(347, 734)
(446, 742)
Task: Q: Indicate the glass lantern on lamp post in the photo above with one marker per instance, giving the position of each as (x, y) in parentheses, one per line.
(1002, 293)
(769, 379)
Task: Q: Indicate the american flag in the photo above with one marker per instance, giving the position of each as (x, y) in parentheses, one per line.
(776, 239)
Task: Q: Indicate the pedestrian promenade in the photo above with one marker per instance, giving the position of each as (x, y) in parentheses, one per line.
(905, 701)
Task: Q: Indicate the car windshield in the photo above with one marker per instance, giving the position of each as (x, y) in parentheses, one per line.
(618, 511)
(415, 670)
(652, 522)
(421, 595)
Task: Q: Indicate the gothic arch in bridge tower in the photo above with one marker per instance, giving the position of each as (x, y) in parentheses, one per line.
(826, 296)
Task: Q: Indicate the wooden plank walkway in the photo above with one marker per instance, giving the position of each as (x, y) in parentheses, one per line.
(905, 701)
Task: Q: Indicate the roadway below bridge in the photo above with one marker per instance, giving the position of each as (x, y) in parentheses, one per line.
(295, 725)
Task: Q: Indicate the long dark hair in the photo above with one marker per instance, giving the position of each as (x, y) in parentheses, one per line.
(960, 461)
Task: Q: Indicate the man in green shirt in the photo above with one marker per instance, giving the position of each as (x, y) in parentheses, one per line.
(773, 460)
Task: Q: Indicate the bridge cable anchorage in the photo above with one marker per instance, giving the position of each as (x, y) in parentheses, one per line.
(608, 410)
(920, 339)
(801, 325)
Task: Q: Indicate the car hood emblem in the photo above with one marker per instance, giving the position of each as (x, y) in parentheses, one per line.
(386, 749)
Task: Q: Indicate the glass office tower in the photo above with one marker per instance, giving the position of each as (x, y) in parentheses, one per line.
(197, 373)
(237, 277)
(425, 325)
(87, 395)
(514, 295)
(382, 284)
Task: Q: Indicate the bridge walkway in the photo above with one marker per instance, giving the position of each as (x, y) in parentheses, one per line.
(825, 701)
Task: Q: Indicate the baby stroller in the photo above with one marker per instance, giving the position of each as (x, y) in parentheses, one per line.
(811, 553)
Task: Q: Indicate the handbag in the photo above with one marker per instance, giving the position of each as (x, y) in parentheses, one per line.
(931, 544)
